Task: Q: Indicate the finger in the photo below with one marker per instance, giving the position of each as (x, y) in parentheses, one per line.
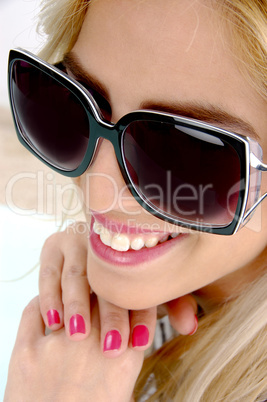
(31, 326)
(50, 283)
(76, 293)
(143, 324)
(182, 314)
(114, 322)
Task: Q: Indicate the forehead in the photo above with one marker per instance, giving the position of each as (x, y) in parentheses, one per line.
(159, 45)
(149, 36)
(165, 50)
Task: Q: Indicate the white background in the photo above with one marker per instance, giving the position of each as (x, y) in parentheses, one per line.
(17, 29)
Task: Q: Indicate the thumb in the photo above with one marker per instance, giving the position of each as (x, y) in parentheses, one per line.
(182, 314)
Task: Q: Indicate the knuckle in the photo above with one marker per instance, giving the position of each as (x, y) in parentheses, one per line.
(144, 315)
(112, 318)
(74, 270)
(47, 300)
(73, 305)
(30, 309)
(48, 270)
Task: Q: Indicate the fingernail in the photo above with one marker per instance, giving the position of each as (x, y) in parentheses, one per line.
(77, 324)
(195, 327)
(140, 335)
(53, 317)
(112, 340)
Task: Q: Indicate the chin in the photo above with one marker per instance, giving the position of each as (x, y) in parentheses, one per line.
(124, 297)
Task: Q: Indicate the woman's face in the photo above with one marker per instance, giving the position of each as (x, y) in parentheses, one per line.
(165, 53)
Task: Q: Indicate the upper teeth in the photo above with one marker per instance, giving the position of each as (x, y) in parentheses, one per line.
(121, 242)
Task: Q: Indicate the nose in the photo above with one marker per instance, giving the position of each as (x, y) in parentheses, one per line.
(103, 185)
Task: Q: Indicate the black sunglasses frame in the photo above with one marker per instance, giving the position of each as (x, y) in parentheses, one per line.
(100, 128)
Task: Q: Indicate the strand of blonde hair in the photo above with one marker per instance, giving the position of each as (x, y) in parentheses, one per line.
(226, 360)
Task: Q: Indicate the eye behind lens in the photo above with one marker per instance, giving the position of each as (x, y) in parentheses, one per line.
(50, 116)
(184, 173)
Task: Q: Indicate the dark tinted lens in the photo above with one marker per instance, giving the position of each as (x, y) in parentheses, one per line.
(51, 118)
(186, 173)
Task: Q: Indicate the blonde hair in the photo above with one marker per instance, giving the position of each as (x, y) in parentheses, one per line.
(60, 21)
(226, 360)
(246, 21)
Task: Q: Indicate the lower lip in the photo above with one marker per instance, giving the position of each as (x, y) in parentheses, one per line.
(130, 257)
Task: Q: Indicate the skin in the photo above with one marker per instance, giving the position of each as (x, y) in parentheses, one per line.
(191, 45)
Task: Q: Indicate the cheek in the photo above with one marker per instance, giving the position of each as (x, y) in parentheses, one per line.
(226, 254)
(98, 191)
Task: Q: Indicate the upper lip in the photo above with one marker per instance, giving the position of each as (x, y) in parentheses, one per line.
(116, 226)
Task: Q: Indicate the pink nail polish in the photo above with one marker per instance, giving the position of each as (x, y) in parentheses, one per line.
(196, 326)
(77, 324)
(53, 317)
(140, 335)
(112, 340)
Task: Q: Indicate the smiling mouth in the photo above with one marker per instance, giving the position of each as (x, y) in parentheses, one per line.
(127, 246)
(125, 242)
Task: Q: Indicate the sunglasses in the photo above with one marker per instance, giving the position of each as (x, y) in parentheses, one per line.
(184, 171)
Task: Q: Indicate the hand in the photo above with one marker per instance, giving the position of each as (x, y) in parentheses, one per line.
(63, 281)
(64, 298)
(52, 368)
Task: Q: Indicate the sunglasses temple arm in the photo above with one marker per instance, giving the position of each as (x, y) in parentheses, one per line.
(257, 164)
(254, 207)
